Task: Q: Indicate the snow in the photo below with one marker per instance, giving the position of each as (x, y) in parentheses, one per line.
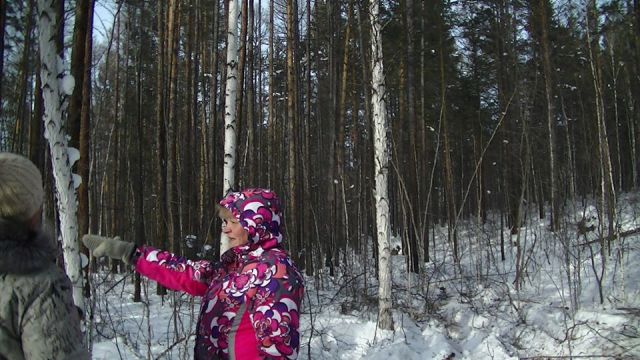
(77, 180)
(67, 84)
(471, 311)
(74, 155)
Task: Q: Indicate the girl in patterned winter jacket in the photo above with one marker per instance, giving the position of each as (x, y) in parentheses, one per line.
(251, 297)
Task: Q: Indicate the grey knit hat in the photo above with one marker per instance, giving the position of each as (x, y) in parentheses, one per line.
(21, 192)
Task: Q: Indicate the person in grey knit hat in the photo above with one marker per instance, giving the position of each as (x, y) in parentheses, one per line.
(21, 192)
(38, 319)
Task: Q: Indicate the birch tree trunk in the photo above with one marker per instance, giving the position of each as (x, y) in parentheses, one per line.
(55, 85)
(231, 94)
(381, 161)
(241, 121)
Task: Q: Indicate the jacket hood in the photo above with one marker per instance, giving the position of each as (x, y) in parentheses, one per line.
(258, 211)
(23, 251)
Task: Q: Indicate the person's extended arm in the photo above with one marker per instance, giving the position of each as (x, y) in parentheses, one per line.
(177, 272)
(171, 271)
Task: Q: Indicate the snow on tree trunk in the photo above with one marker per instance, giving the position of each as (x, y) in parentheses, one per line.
(231, 94)
(381, 160)
(55, 86)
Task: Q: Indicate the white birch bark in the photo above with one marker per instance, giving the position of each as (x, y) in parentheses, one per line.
(231, 94)
(55, 86)
(381, 160)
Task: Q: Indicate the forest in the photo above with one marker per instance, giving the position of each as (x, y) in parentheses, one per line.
(496, 112)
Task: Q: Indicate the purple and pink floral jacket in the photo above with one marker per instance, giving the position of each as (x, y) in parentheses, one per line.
(251, 298)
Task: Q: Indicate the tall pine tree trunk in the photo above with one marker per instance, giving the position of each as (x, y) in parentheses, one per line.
(340, 128)
(173, 219)
(160, 158)
(413, 178)
(138, 177)
(22, 86)
(250, 170)
(79, 104)
(607, 191)
(271, 119)
(446, 152)
(292, 126)
(606, 199)
(543, 7)
(309, 217)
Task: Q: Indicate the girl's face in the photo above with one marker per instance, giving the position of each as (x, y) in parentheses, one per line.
(235, 232)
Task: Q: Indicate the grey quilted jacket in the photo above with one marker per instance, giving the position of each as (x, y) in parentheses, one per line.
(38, 319)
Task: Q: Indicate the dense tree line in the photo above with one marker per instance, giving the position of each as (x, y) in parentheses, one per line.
(492, 105)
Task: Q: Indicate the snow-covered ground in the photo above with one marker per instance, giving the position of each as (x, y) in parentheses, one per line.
(470, 311)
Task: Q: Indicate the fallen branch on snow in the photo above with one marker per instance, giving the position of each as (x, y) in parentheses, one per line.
(622, 234)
